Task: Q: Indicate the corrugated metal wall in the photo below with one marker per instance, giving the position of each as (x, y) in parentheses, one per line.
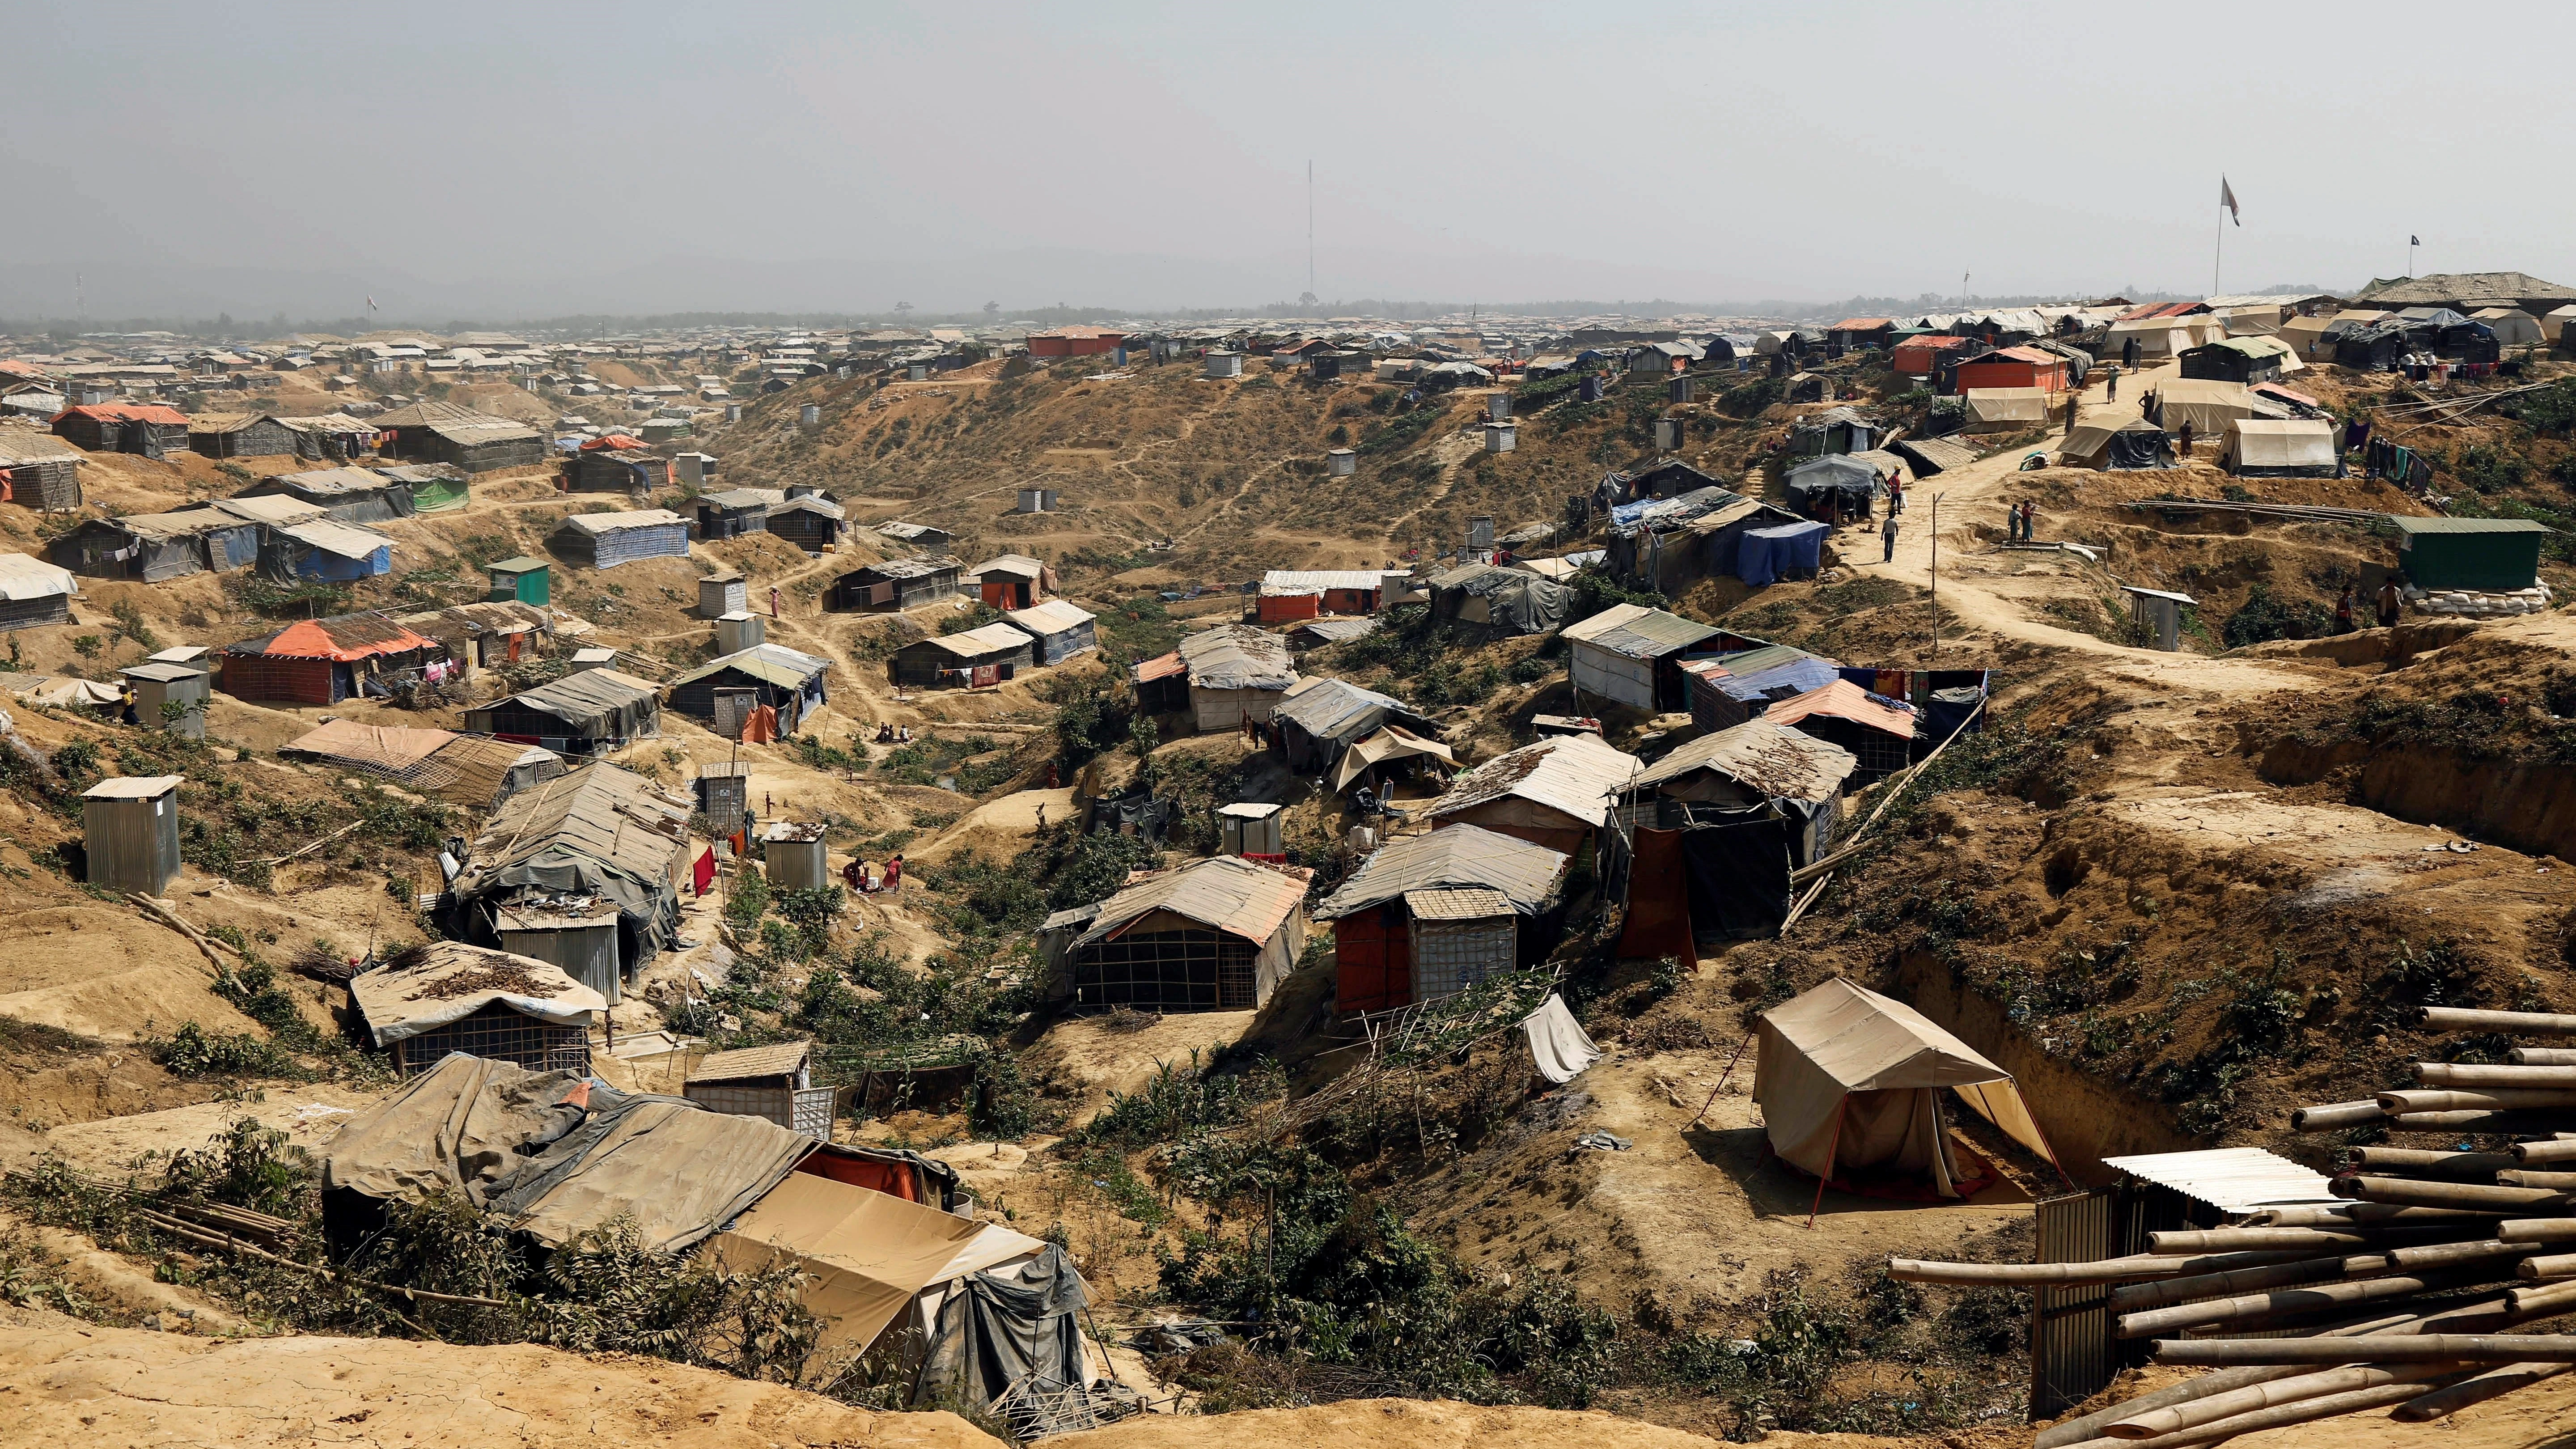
(587, 954)
(133, 845)
(1613, 676)
(2071, 1354)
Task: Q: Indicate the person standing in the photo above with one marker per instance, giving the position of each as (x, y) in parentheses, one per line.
(2185, 435)
(773, 601)
(2343, 611)
(2111, 383)
(1887, 532)
(2389, 603)
(894, 874)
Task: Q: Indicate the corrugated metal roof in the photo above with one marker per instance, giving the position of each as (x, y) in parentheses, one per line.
(770, 663)
(134, 787)
(1019, 565)
(1461, 903)
(778, 1059)
(920, 565)
(2467, 525)
(2231, 1179)
(1246, 898)
(1339, 631)
(587, 695)
(1052, 617)
(596, 524)
(600, 811)
(1638, 632)
(330, 535)
(1308, 581)
(1336, 709)
(1576, 774)
(975, 643)
(1237, 656)
(274, 509)
(1453, 856)
(1762, 755)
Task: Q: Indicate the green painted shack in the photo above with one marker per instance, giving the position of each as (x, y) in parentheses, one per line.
(522, 579)
(2496, 555)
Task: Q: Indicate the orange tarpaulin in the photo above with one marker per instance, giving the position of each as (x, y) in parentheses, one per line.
(762, 727)
(1659, 923)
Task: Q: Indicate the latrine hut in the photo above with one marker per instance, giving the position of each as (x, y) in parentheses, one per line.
(794, 855)
(157, 684)
(606, 540)
(447, 996)
(1215, 935)
(130, 832)
(38, 470)
(774, 1082)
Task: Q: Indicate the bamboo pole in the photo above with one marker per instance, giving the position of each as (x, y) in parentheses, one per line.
(2493, 1384)
(2476, 1165)
(2162, 1293)
(2419, 1348)
(2460, 1123)
(2355, 1214)
(2175, 1418)
(2101, 1270)
(2457, 1074)
(2216, 1312)
(2447, 1194)
(2553, 1181)
(2538, 1154)
(2192, 1241)
(2533, 1023)
(2085, 1429)
(2543, 1056)
(2335, 1116)
(2280, 1416)
(2537, 1230)
(2547, 1266)
(2547, 1300)
(2445, 1255)
(2485, 1099)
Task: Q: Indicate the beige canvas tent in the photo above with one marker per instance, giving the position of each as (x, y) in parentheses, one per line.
(2512, 326)
(2206, 404)
(2159, 339)
(2007, 407)
(2279, 448)
(1390, 743)
(2556, 322)
(1848, 1079)
(2302, 334)
(2253, 320)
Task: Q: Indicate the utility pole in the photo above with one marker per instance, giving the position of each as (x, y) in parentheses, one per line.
(1936, 577)
(1310, 228)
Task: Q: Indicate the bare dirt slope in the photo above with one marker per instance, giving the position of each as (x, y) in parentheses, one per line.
(66, 1382)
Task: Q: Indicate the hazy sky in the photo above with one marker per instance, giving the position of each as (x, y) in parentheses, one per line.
(464, 160)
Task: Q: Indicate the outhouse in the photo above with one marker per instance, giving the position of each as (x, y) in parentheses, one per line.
(584, 660)
(156, 684)
(131, 825)
(1498, 406)
(722, 594)
(1221, 365)
(774, 1082)
(1669, 434)
(794, 855)
(1252, 830)
(698, 469)
(738, 631)
(1680, 389)
(1341, 463)
(578, 934)
(2159, 613)
(723, 792)
(524, 580)
(1500, 437)
(1036, 500)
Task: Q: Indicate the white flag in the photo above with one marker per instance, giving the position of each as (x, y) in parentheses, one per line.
(2227, 198)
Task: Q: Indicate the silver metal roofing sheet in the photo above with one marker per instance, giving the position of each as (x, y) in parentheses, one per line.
(1577, 774)
(1783, 763)
(1337, 708)
(1450, 857)
(1241, 897)
(2231, 1179)
(1639, 632)
(1237, 656)
(770, 663)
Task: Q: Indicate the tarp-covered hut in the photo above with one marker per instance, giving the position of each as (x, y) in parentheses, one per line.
(1430, 915)
(1214, 935)
(1555, 792)
(322, 661)
(897, 584)
(579, 714)
(448, 996)
(605, 540)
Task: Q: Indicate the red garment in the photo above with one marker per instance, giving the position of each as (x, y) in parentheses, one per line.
(762, 727)
(703, 873)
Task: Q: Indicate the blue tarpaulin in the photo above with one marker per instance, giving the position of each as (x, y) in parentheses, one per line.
(1781, 681)
(1767, 553)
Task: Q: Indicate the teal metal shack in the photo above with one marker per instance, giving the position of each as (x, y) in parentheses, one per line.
(2491, 554)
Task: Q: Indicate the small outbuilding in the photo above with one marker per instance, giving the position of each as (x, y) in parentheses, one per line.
(324, 548)
(157, 684)
(447, 996)
(617, 464)
(974, 659)
(130, 832)
(1057, 629)
(435, 487)
(899, 584)
(794, 856)
(606, 540)
(774, 1082)
(920, 536)
(1853, 1088)
(1214, 935)
(522, 580)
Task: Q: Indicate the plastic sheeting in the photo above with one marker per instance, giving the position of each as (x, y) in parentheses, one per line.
(1767, 553)
(1558, 1045)
(1004, 1326)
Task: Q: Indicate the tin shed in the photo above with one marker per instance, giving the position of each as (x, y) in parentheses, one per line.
(523, 579)
(131, 832)
(794, 855)
(158, 684)
(722, 594)
(577, 938)
(2490, 554)
(1630, 654)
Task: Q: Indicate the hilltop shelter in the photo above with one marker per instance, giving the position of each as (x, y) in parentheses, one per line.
(484, 634)
(207, 537)
(1218, 934)
(2280, 448)
(322, 661)
(324, 548)
(148, 429)
(1851, 1088)
(1557, 792)
(39, 470)
(1630, 654)
(606, 540)
(974, 659)
(579, 714)
(597, 842)
(899, 584)
(1499, 600)
(733, 513)
(2208, 406)
(451, 997)
(1427, 916)
(1320, 718)
(1057, 628)
(2512, 326)
(351, 495)
(1758, 762)
(435, 487)
(1013, 581)
(2495, 555)
(440, 432)
(786, 679)
(1222, 676)
(34, 593)
(921, 536)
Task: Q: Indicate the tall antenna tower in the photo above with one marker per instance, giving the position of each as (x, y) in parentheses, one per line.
(1310, 228)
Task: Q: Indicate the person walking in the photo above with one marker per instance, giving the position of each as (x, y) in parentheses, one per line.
(773, 601)
(2389, 603)
(2184, 436)
(2111, 383)
(1887, 532)
(893, 875)
(2343, 611)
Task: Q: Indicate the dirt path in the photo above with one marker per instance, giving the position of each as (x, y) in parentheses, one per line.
(1450, 452)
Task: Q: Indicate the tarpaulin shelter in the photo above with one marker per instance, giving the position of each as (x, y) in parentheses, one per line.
(34, 592)
(579, 714)
(1320, 718)
(897, 584)
(1837, 484)
(606, 540)
(2007, 408)
(1058, 629)
(1555, 792)
(150, 429)
(324, 548)
(1214, 935)
(2125, 444)
(321, 661)
(2280, 448)
(2158, 339)
(1233, 672)
(1754, 763)
(599, 835)
(458, 998)
(1499, 600)
(1391, 745)
(1877, 730)
(435, 487)
(1429, 915)
(2207, 405)
(1851, 1081)
(2512, 326)
(788, 680)
(1742, 686)
(970, 659)
(351, 495)
(1793, 550)
(38, 470)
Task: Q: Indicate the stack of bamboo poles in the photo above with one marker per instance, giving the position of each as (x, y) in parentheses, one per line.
(2400, 1296)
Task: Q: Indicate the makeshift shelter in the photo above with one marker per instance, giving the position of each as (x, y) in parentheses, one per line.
(1835, 430)
(2129, 444)
(1058, 629)
(468, 770)
(239, 435)
(435, 487)
(1758, 762)
(34, 593)
(1320, 718)
(2007, 409)
(2511, 326)
(1392, 747)
(599, 839)
(974, 659)
(152, 547)
(2159, 339)
(785, 679)
(1792, 550)
(487, 633)
(322, 661)
(1218, 934)
(1500, 601)
(606, 540)
(148, 429)
(1231, 673)
(1929, 457)
(1850, 1083)
(2305, 337)
(2496, 555)
(1557, 792)
(2553, 323)
(734, 512)
(578, 714)
(1429, 915)
(1835, 486)
(1630, 654)
(440, 432)
(451, 997)
(2207, 406)
(809, 521)
(1013, 581)
(38, 470)
(324, 549)
(2012, 369)
(2280, 448)
(1670, 542)
(155, 685)
(1316, 633)
(916, 535)
(1732, 688)
(523, 579)
(898, 584)
(774, 1083)
(1288, 595)
(620, 464)
(1877, 730)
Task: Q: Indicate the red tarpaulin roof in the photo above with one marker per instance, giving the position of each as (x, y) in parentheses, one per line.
(351, 636)
(126, 413)
(614, 440)
(1161, 668)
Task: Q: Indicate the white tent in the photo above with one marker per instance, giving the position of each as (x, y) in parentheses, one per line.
(2158, 338)
(2007, 407)
(2279, 448)
(1848, 1079)
(2207, 404)
(2556, 322)
(2512, 326)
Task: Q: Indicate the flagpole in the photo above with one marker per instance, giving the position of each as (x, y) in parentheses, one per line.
(2220, 253)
